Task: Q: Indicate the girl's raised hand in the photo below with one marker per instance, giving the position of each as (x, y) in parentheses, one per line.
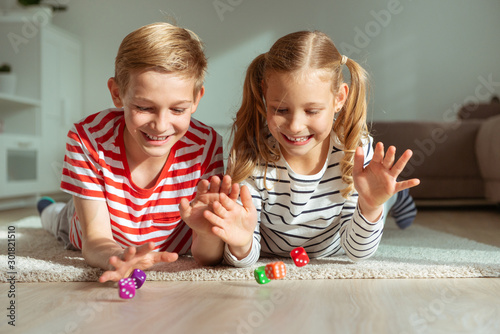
(377, 182)
(141, 257)
(234, 223)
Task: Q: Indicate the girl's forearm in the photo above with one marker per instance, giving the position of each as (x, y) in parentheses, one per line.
(371, 213)
(241, 252)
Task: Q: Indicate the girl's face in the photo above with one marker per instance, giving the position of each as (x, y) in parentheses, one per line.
(157, 108)
(300, 114)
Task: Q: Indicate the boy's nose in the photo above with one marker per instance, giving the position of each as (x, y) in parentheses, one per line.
(161, 123)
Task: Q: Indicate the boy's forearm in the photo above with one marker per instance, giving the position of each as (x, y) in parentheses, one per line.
(207, 250)
(97, 253)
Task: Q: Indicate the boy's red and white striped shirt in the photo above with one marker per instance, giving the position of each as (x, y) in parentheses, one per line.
(95, 167)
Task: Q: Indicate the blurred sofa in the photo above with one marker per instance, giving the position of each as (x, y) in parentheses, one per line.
(454, 160)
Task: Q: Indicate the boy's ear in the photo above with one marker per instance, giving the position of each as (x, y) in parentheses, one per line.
(198, 98)
(114, 90)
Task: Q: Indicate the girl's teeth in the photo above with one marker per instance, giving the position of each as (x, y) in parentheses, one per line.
(300, 139)
(156, 138)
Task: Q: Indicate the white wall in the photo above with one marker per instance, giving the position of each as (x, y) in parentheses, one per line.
(425, 57)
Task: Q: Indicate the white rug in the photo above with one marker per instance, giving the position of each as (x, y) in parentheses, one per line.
(417, 252)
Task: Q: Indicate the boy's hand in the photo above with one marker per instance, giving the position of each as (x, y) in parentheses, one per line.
(234, 223)
(132, 258)
(376, 183)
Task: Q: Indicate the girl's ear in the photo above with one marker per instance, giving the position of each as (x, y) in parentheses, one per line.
(341, 97)
(114, 90)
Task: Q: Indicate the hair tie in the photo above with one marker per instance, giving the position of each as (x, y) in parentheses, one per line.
(343, 60)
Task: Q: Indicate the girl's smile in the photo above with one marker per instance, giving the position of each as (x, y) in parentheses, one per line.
(298, 140)
(300, 114)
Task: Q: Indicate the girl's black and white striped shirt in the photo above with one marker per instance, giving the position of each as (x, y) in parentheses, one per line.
(309, 211)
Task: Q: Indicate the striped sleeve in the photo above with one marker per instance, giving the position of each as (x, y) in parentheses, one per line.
(214, 164)
(254, 254)
(81, 175)
(359, 237)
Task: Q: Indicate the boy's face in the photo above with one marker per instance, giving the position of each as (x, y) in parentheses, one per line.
(158, 108)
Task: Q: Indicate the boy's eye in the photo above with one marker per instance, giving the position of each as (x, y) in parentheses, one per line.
(143, 108)
(179, 110)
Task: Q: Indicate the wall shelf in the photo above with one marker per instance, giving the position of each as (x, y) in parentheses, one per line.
(8, 101)
(35, 120)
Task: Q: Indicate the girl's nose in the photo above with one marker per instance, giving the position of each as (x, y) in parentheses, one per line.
(296, 123)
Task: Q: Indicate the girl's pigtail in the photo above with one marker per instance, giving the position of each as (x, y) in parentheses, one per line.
(248, 131)
(350, 125)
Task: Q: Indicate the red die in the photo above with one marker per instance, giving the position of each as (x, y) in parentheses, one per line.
(275, 270)
(299, 256)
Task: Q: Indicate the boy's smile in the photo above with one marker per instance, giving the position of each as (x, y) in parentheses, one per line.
(158, 108)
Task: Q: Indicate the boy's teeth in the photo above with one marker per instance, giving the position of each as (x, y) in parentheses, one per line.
(155, 138)
(299, 139)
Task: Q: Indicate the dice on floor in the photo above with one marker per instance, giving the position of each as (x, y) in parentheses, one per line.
(126, 288)
(139, 278)
(260, 275)
(276, 270)
(299, 256)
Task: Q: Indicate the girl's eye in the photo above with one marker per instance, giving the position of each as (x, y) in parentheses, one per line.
(280, 110)
(312, 112)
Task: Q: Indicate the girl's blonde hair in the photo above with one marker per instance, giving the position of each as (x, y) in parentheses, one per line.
(297, 51)
(162, 47)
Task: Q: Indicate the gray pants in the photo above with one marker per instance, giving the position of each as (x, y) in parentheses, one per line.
(56, 219)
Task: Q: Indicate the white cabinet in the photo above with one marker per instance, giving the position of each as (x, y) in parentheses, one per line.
(34, 121)
(19, 170)
(61, 100)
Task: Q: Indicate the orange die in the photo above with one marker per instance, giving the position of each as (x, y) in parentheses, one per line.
(276, 270)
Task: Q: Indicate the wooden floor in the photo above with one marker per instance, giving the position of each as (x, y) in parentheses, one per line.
(319, 306)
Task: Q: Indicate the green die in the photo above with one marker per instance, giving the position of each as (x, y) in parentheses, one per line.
(260, 275)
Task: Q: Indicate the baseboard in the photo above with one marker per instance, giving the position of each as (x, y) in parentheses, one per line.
(455, 203)
(30, 200)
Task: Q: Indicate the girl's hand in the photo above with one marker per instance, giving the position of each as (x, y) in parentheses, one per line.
(376, 183)
(234, 223)
(133, 258)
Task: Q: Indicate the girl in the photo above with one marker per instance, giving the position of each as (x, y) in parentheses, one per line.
(303, 154)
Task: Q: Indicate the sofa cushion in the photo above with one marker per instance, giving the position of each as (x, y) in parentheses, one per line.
(488, 156)
(479, 111)
(444, 156)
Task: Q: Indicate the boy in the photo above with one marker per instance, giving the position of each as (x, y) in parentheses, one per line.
(128, 168)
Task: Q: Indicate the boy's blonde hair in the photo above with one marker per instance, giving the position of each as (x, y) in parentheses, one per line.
(161, 47)
(290, 54)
